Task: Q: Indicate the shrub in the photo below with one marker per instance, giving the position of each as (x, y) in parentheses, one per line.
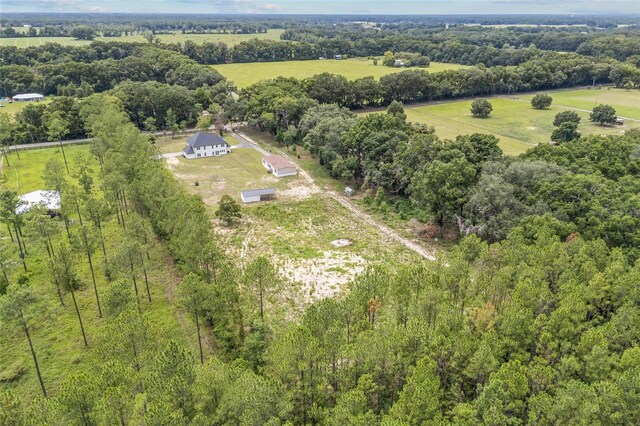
(481, 108)
(541, 101)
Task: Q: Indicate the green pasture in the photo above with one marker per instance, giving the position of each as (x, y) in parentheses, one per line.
(626, 102)
(15, 107)
(229, 39)
(246, 74)
(520, 127)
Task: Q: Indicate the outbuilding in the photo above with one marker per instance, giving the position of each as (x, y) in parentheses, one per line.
(255, 195)
(48, 199)
(279, 165)
(28, 97)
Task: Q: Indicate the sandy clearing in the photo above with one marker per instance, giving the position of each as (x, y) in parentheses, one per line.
(342, 242)
(325, 276)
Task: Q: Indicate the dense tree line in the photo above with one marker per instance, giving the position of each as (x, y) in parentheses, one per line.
(619, 43)
(420, 85)
(142, 63)
(151, 105)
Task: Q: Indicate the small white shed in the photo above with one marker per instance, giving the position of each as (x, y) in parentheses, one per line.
(255, 195)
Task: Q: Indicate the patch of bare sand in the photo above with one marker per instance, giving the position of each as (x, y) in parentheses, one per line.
(172, 161)
(299, 192)
(325, 276)
(342, 242)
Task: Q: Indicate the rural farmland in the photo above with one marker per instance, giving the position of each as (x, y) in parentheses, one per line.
(246, 74)
(229, 39)
(520, 127)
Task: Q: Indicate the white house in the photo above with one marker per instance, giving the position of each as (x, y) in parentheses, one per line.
(48, 199)
(255, 195)
(28, 97)
(279, 165)
(205, 145)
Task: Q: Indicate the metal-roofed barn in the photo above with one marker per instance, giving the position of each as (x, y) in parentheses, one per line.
(28, 97)
(255, 195)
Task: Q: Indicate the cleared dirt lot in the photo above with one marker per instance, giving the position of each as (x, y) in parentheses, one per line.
(298, 230)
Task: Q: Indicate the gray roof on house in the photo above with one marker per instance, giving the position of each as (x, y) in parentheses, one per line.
(205, 139)
(254, 192)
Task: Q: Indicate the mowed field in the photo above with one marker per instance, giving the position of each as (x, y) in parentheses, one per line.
(317, 244)
(246, 74)
(15, 107)
(520, 127)
(229, 39)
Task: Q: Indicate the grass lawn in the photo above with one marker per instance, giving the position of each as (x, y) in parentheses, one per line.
(15, 107)
(517, 125)
(25, 173)
(244, 75)
(229, 39)
(626, 102)
(57, 338)
(228, 174)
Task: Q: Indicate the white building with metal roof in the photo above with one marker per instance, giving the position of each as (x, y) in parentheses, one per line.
(28, 97)
(255, 195)
(48, 199)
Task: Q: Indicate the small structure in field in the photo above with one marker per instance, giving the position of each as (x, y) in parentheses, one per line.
(279, 165)
(338, 57)
(398, 63)
(348, 191)
(28, 97)
(204, 144)
(619, 121)
(48, 199)
(255, 195)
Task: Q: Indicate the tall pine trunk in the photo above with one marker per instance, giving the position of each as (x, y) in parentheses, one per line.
(33, 355)
(199, 338)
(93, 278)
(64, 156)
(24, 264)
(146, 280)
(84, 336)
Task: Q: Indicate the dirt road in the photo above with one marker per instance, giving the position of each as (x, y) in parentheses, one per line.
(384, 229)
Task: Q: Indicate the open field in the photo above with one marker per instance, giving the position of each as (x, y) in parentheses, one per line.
(246, 74)
(57, 338)
(517, 125)
(15, 107)
(626, 102)
(317, 243)
(229, 39)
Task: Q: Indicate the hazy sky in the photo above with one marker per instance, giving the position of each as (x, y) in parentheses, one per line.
(324, 6)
